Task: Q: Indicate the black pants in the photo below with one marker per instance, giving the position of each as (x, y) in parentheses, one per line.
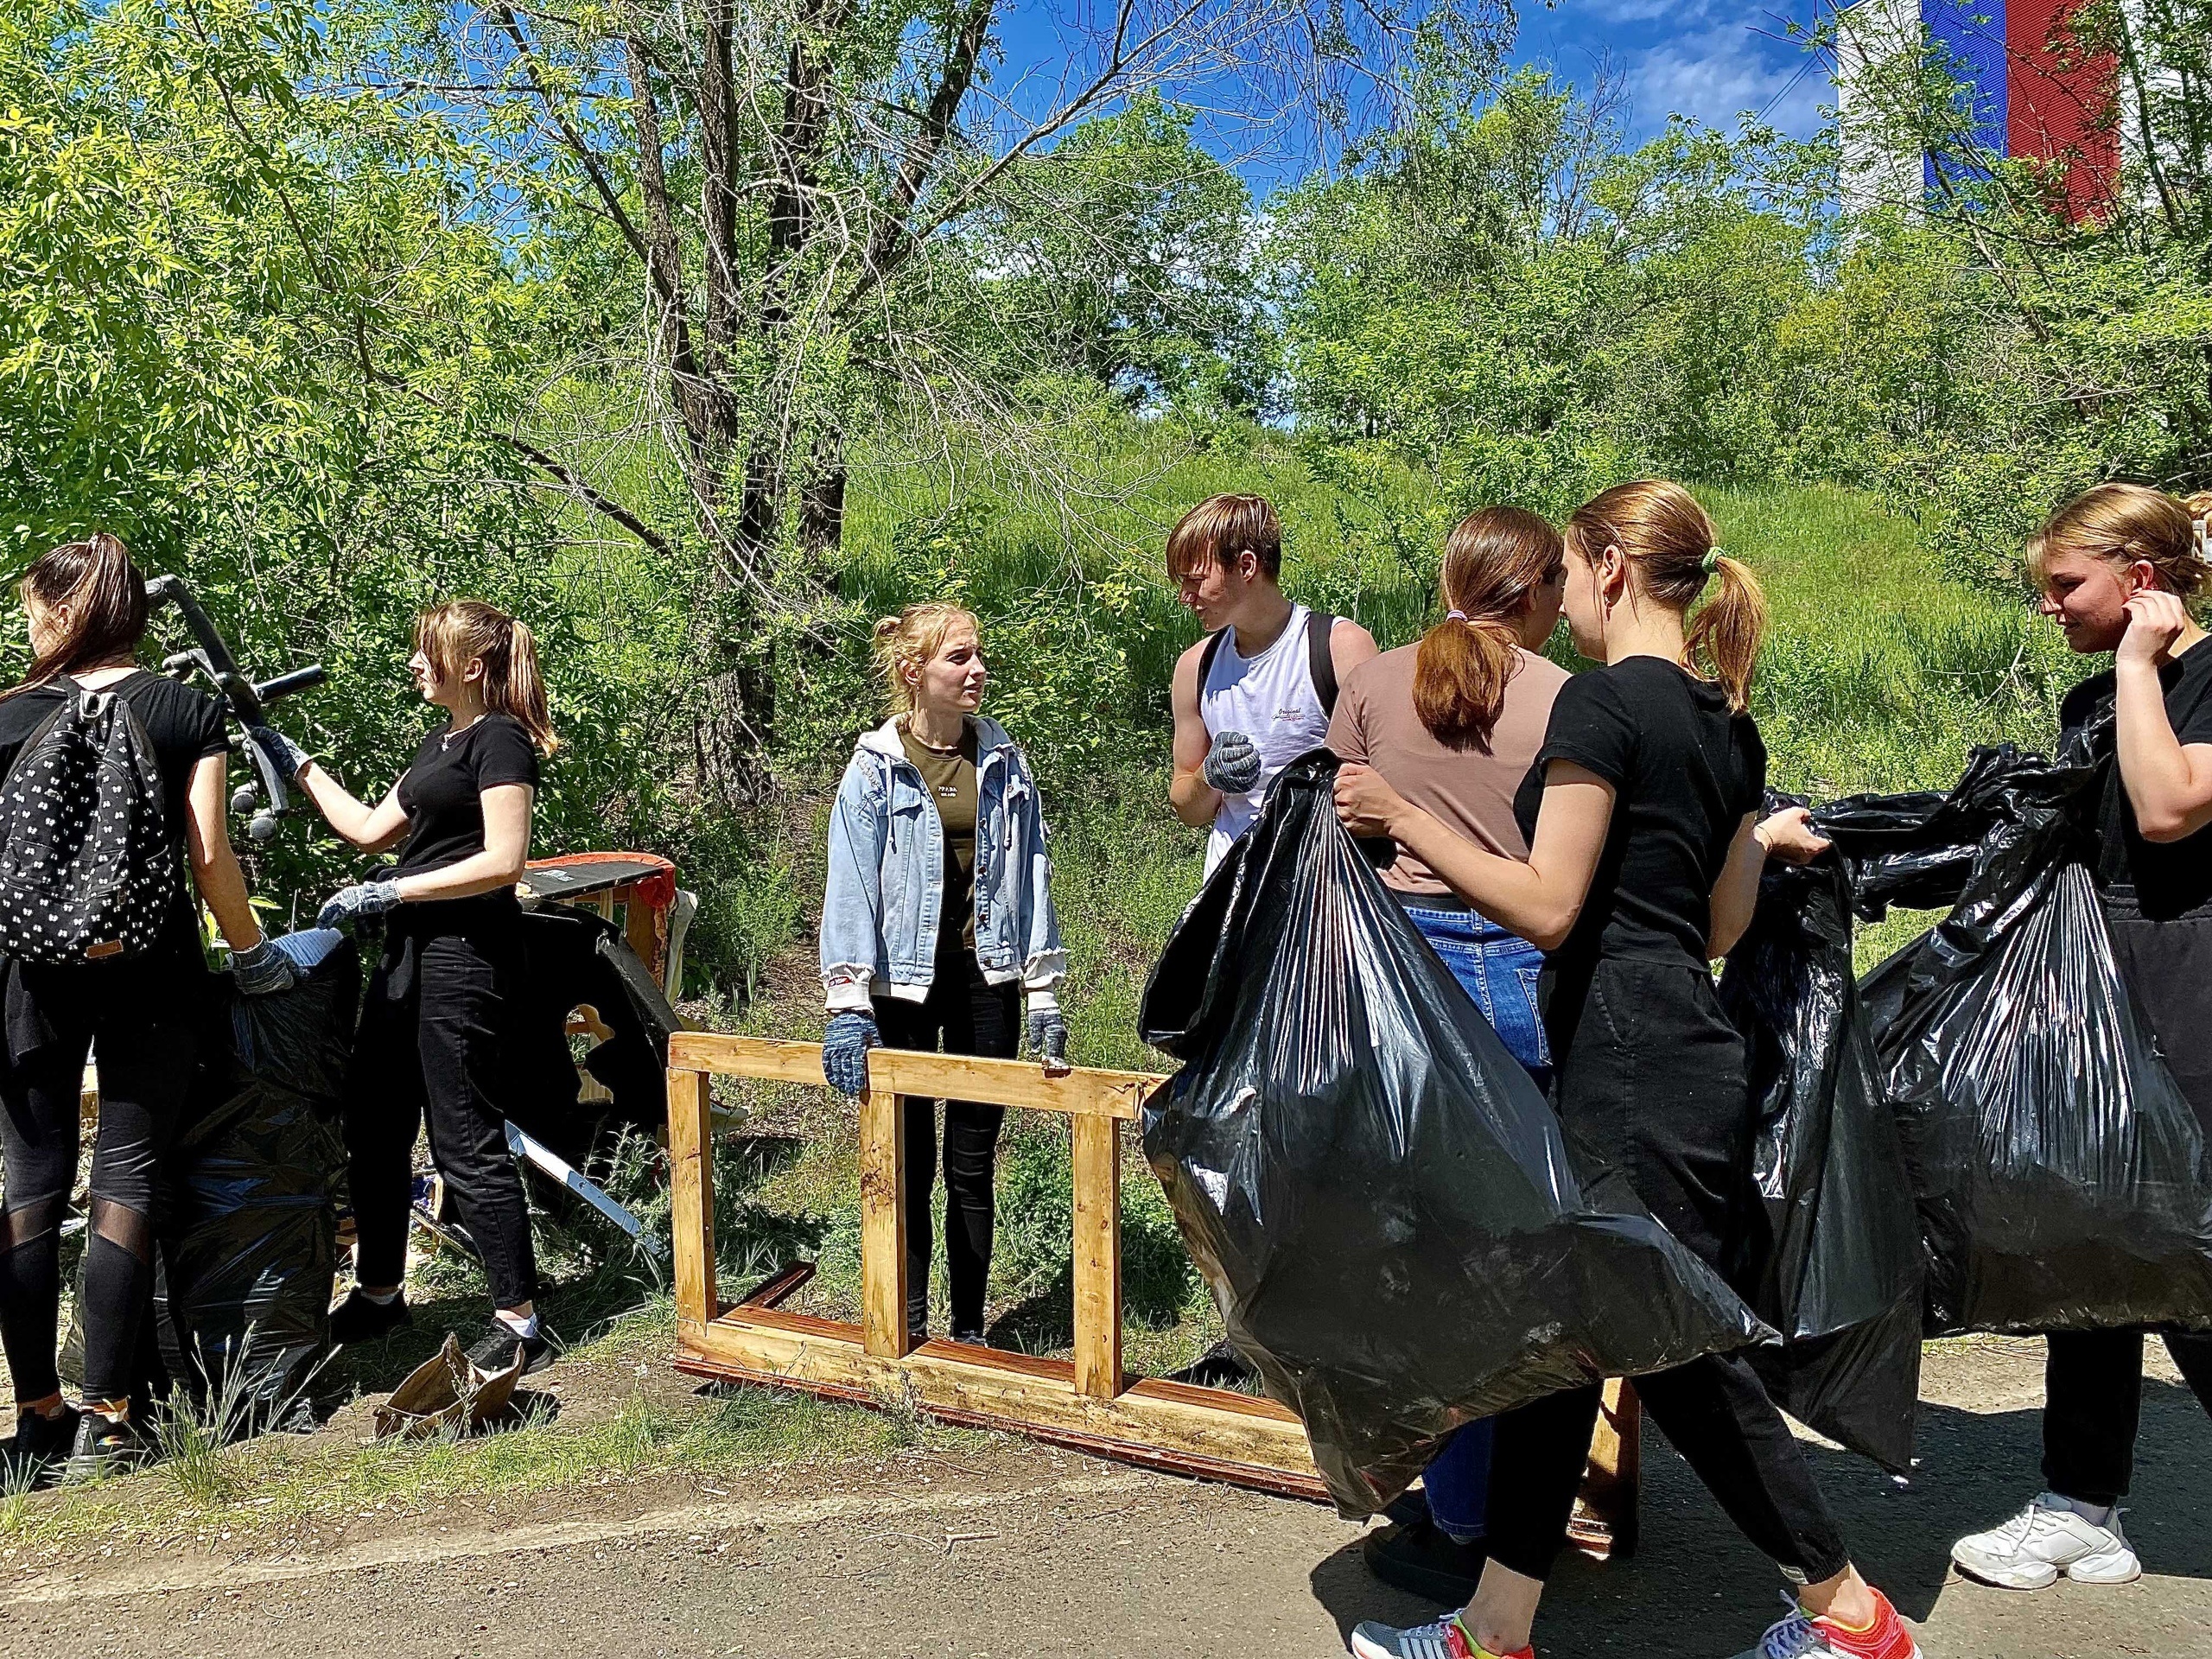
(1651, 1087)
(2092, 1379)
(143, 1019)
(432, 1038)
(965, 1015)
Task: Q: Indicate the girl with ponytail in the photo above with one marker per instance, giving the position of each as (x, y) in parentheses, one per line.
(433, 1027)
(2119, 568)
(1642, 810)
(1451, 723)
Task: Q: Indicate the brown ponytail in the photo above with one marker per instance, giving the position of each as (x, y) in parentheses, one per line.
(1494, 560)
(95, 581)
(2129, 524)
(462, 630)
(1670, 544)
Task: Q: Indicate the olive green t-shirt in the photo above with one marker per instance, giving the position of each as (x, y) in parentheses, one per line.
(950, 779)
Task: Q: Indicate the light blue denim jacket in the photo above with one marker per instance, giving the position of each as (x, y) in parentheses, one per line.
(880, 915)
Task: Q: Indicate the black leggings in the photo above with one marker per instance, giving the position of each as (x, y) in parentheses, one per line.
(432, 1041)
(1651, 1081)
(144, 1018)
(969, 1016)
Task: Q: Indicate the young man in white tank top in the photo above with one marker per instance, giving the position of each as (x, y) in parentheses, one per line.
(1246, 699)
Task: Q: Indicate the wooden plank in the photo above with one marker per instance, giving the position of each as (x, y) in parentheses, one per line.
(781, 1286)
(1098, 1257)
(883, 1224)
(691, 1193)
(1083, 1091)
(1160, 1424)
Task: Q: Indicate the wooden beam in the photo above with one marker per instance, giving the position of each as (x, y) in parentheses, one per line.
(883, 1224)
(1206, 1432)
(1083, 1091)
(1098, 1257)
(691, 1193)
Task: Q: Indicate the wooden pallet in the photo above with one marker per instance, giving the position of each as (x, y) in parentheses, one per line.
(1089, 1402)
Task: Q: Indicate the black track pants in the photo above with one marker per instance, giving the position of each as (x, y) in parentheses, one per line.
(965, 1015)
(431, 1043)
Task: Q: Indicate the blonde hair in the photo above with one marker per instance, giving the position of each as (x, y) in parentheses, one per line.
(1670, 544)
(910, 639)
(462, 630)
(2123, 523)
(1493, 561)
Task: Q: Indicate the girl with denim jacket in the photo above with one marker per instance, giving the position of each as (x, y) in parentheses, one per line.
(937, 920)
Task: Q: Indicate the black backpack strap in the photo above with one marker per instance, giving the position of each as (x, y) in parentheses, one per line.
(1321, 661)
(1206, 656)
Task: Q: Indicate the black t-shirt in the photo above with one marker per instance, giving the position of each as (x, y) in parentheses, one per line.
(443, 793)
(2169, 877)
(1684, 771)
(185, 725)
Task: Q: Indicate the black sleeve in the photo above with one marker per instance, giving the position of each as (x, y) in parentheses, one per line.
(504, 754)
(1753, 747)
(2193, 724)
(206, 725)
(1591, 725)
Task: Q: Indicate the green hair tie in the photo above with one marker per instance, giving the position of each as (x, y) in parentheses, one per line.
(1710, 563)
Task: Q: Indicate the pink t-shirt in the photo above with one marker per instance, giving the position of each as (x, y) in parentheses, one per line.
(1470, 790)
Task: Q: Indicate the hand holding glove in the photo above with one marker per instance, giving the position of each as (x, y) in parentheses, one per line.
(1048, 1034)
(288, 758)
(262, 970)
(1232, 764)
(362, 899)
(844, 1051)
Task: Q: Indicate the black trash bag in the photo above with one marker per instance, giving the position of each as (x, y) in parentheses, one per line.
(1829, 1252)
(248, 1227)
(1380, 1200)
(574, 958)
(2063, 1179)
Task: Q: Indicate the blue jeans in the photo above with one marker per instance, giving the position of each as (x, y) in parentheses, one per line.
(1498, 970)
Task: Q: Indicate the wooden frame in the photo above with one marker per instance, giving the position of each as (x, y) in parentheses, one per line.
(1089, 1402)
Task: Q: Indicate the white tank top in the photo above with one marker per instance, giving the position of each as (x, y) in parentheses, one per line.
(1271, 698)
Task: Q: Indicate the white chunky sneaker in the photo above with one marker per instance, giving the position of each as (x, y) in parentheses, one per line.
(2043, 1540)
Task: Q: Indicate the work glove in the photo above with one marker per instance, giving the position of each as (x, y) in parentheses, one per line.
(362, 899)
(1232, 765)
(262, 970)
(288, 758)
(1048, 1034)
(844, 1051)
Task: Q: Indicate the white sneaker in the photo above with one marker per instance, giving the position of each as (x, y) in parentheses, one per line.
(2030, 1550)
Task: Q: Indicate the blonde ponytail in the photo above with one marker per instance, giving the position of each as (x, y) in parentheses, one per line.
(1673, 554)
(462, 630)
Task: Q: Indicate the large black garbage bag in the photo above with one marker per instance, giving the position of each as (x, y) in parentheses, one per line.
(248, 1225)
(1380, 1200)
(2063, 1179)
(1829, 1254)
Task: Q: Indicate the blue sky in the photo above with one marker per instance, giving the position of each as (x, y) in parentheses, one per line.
(1708, 59)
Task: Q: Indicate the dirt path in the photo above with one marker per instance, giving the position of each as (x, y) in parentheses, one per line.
(1015, 1551)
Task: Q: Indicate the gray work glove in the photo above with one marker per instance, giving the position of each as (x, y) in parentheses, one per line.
(1232, 765)
(844, 1051)
(1048, 1036)
(262, 970)
(362, 899)
(288, 758)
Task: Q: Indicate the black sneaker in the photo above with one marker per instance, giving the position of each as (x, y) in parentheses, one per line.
(359, 1319)
(495, 1349)
(105, 1447)
(41, 1443)
(1425, 1560)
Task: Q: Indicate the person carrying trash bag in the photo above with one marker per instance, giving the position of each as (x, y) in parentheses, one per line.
(1646, 851)
(433, 1022)
(1452, 723)
(936, 921)
(114, 789)
(2118, 568)
(1258, 691)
